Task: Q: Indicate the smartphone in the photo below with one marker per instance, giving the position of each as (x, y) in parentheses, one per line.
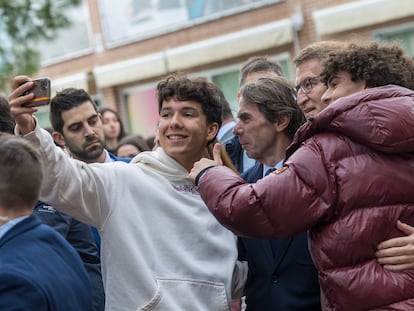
(41, 90)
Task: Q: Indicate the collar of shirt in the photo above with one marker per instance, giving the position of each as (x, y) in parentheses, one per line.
(108, 159)
(10, 224)
(277, 166)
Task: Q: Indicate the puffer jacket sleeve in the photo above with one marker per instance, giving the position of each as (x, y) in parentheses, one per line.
(286, 202)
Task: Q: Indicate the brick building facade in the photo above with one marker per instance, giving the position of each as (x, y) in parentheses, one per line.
(125, 49)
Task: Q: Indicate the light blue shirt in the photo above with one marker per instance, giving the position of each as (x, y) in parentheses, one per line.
(223, 129)
(277, 166)
(10, 224)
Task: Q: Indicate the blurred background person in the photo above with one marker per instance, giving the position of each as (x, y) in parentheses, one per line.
(113, 127)
(130, 146)
(150, 140)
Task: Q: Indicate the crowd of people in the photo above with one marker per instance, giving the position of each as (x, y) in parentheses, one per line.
(302, 202)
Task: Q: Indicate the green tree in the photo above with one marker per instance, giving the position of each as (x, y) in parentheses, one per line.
(22, 23)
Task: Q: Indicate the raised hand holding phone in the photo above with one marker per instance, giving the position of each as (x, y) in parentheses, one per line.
(18, 98)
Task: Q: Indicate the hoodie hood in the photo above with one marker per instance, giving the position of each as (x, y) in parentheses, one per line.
(159, 162)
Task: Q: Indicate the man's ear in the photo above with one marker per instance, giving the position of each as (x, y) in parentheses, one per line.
(282, 123)
(58, 138)
(212, 131)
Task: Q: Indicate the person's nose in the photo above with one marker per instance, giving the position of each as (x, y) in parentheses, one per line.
(237, 128)
(89, 130)
(301, 99)
(326, 97)
(176, 120)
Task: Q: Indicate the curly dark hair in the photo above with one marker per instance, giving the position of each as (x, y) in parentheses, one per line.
(377, 63)
(182, 88)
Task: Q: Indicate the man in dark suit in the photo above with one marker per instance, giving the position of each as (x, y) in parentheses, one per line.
(254, 67)
(39, 269)
(281, 272)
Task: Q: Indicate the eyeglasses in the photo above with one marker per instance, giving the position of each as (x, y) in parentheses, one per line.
(307, 85)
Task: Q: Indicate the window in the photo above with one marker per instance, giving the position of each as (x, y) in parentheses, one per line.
(403, 35)
(125, 21)
(69, 42)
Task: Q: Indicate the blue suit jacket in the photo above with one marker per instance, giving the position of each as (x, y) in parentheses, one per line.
(81, 237)
(282, 275)
(39, 270)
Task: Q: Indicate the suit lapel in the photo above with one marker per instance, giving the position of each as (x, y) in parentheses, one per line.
(265, 246)
(280, 248)
(253, 174)
(274, 250)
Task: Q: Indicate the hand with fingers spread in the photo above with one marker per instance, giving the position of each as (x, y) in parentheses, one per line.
(21, 114)
(397, 254)
(203, 164)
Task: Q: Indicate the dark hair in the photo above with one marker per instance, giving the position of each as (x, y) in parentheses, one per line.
(376, 63)
(318, 50)
(64, 100)
(122, 131)
(199, 90)
(274, 98)
(258, 64)
(136, 140)
(6, 120)
(226, 112)
(150, 140)
(20, 171)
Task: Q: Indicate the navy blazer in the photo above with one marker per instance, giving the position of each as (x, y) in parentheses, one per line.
(81, 237)
(281, 275)
(40, 270)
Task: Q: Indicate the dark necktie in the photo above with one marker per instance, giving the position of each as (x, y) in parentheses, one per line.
(270, 170)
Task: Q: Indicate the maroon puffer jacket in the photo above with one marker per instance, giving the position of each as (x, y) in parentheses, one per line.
(349, 178)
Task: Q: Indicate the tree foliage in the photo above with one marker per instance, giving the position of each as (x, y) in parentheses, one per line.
(22, 23)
